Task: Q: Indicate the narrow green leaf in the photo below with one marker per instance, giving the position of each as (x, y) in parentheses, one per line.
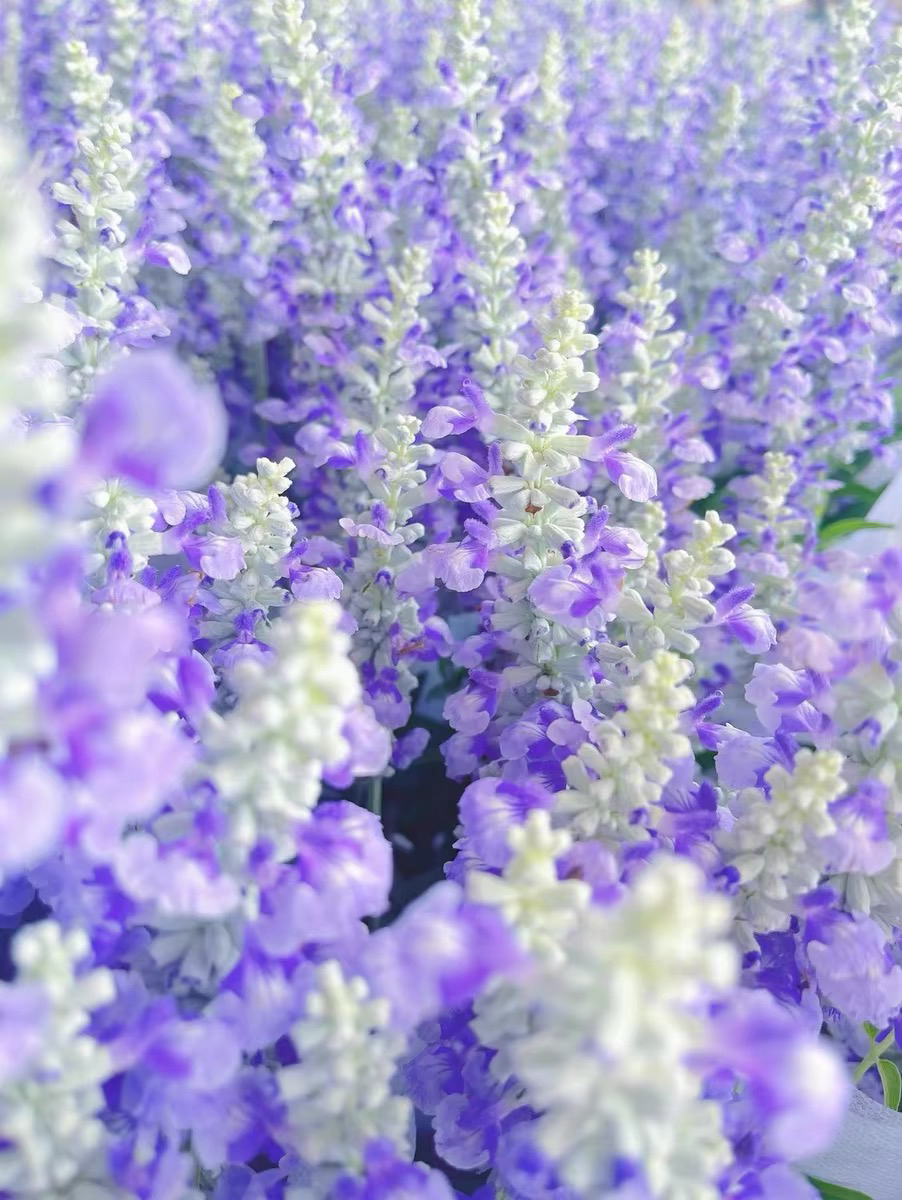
(845, 526)
(853, 488)
(834, 1191)
(891, 1079)
(870, 1030)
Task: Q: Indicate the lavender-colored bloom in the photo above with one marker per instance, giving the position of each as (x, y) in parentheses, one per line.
(635, 478)
(796, 1085)
(752, 627)
(216, 556)
(339, 226)
(462, 565)
(488, 809)
(314, 583)
(24, 1013)
(471, 709)
(342, 854)
(861, 842)
(150, 423)
(438, 955)
(32, 812)
(389, 1178)
(854, 969)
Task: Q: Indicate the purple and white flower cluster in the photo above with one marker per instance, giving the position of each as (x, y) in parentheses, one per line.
(493, 391)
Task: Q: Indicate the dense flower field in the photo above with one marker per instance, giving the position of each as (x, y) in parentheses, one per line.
(451, 691)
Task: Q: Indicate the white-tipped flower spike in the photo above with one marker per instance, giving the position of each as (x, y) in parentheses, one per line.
(624, 1011)
(539, 907)
(49, 1109)
(774, 842)
(241, 185)
(682, 52)
(339, 1095)
(620, 773)
(549, 111)
(541, 910)
(383, 384)
(644, 386)
(127, 29)
(851, 24)
(335, 162)
(386, 618)
(115, 508)
(92, 245)
(537, 514)
(672, 607)
(258, 514)
(35, 448)
(269, 751)
(480, 207)
(764, 510)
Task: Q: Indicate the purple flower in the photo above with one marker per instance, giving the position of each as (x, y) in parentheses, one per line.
(24, 1012)
(572, 596)
(388, 1177)
(462, 478)
(795, 1084)
(370, 532)
(342, 854)
(216, 556)
(168, 254)
(783, 699)
(851, 959)
(438, 955)
(409, 747)
(445, 419)
(151, 423)
(174, 882)
(488, 809)
(462, 565)
(471, 709)
(369, 745)
(33, 812)
(635, 478)
(861, 842)
(314, 583)
(752, 627)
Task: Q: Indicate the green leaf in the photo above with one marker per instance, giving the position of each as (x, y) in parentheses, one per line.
(834, 1191)
(853, 488)
(845, 526)
(891, 1079)
(870, 1030)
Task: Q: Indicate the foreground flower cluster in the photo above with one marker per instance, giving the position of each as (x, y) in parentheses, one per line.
(500, 380)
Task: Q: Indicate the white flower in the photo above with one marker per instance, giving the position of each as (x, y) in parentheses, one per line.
(623, 1013)
(49, 1112)
(541, 910)
(539, 907)
(774, 843)
(99, 193)
(647, 380)
(670, 608)
(258, 513)
(269, 751)
(339, 1095)
(118, 509)
(624, 768)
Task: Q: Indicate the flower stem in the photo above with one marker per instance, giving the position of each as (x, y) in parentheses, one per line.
(375, 800)
(870, 1059)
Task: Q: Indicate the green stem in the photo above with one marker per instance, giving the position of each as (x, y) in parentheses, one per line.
(375, 804)
(870, 1059)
